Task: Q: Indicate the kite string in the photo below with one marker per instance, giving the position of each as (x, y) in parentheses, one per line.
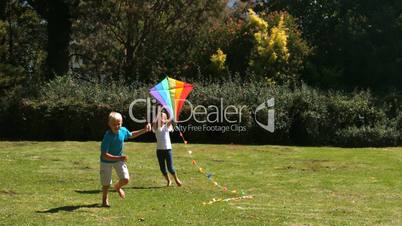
(209, 176)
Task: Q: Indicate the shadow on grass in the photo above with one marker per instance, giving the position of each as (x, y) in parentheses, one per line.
(90, 191)
(69, 208)
(146, 187)
(97, 191)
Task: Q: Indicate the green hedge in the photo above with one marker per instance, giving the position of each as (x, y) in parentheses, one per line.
(70, 109)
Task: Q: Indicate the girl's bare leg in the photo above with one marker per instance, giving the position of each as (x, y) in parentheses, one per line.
(178, 182)
(169, 182)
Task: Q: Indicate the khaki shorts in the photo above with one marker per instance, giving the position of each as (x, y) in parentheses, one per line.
(106, 172)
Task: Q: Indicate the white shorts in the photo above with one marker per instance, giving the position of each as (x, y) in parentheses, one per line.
(106, 172)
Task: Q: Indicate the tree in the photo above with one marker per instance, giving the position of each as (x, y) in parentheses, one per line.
(21, 45)
(270, 46)
(357, 43)
(143, 39)
(59, 15)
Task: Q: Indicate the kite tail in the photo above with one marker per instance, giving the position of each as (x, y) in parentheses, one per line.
(210, 176)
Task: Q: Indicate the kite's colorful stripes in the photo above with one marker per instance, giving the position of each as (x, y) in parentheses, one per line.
(171, 94)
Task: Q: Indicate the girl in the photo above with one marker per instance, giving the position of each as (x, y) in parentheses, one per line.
(161, 127)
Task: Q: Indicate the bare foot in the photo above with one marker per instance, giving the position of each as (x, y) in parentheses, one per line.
(178, 182)
(169, 183)
(105, 203)
(122, 194)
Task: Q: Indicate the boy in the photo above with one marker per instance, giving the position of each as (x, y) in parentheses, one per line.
(112, 155)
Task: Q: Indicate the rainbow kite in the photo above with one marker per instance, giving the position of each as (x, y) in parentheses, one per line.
(171, 94)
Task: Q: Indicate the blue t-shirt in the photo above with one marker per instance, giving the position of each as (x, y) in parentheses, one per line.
(113, 143)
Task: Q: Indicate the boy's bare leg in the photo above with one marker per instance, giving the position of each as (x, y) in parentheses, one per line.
(105, 200)
(169, 182)
(178, 182)
(118, 186)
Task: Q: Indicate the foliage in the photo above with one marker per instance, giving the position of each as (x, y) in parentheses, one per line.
(143, 40)
(334, 44)
(58, 16)
(22, 54)
(356, 43)
(269, 46)
(303, 116)
(218, 60)
(107, 54)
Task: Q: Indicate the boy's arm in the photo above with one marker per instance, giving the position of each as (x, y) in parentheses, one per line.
(154, 125)
(138, 133)
(110, 157)
(105, 148)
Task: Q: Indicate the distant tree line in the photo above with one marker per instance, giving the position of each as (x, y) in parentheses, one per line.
(328, 44)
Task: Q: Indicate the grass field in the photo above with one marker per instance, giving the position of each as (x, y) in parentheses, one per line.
(57, 183)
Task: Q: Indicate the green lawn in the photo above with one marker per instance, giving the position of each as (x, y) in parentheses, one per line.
(57, 183)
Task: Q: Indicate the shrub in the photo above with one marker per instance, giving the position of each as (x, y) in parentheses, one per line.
(68, 108)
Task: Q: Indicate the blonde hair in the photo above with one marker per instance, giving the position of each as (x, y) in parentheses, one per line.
(114, 116)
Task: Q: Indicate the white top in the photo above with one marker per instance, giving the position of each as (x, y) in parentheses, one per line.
(163, 137)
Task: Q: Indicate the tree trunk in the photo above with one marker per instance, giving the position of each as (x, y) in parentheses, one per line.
(6, 15)
(3, 5)
(129, 58)
(59, 35)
